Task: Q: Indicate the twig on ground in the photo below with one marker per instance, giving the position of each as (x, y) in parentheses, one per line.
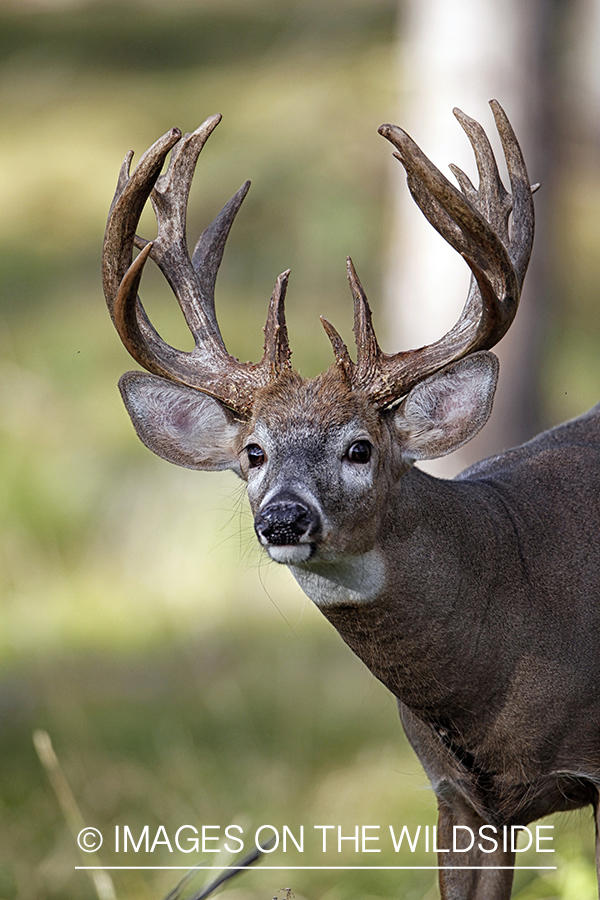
(101, 880)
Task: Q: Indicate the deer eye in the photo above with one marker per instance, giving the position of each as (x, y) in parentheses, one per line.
(359, 452)
(256, 455)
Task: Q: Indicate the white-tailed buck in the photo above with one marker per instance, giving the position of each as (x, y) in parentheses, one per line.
(475, 601)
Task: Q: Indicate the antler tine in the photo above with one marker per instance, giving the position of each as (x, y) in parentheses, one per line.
(368, 354)
(340, 350)
(169, 200)
(491, 197)
(362, 373)
(523, 218)
(209, 249)
(126, 208)
(277, 351)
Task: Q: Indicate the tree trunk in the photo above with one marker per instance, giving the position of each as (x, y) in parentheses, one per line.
(464, 53)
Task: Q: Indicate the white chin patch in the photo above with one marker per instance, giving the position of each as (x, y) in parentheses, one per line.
(289, 554)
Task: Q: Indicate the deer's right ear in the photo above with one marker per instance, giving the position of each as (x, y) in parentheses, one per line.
(183, 425)
(447, 409)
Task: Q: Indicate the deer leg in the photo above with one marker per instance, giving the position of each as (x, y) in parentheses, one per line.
(464, 883)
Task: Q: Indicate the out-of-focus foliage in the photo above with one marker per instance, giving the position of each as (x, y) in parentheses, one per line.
(572, 357)
(181, 679)
(300, 101)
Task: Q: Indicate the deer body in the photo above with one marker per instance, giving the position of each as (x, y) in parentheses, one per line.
(475, 601)
(486, 629)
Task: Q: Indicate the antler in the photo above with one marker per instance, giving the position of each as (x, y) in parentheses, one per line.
(473, 220)
(475, 223)
(208, 366)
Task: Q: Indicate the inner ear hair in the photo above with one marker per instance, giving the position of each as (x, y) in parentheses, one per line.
(181, 424)
(447, 409)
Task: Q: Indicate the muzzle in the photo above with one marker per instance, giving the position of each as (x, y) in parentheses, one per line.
(287, 520)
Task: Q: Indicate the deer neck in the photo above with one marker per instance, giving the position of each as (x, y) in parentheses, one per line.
(412, 607)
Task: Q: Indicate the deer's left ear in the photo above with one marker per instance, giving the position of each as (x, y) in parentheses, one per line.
(447, 409)
(183, 425)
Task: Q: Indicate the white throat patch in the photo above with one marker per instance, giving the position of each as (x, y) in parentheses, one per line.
(352, 580)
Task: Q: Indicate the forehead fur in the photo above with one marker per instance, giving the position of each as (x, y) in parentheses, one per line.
(325, 401)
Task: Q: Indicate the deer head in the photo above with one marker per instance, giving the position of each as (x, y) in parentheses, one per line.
(319, 455)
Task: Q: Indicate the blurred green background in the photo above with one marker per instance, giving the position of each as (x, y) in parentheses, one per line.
(182, 679)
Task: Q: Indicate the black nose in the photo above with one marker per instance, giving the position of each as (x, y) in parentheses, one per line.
(285, 521)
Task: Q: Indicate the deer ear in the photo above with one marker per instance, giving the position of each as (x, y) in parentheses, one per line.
(183, 425)
(445, 411)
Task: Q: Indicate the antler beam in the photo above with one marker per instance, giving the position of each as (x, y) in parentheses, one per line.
(475, 223)
(208, 366)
